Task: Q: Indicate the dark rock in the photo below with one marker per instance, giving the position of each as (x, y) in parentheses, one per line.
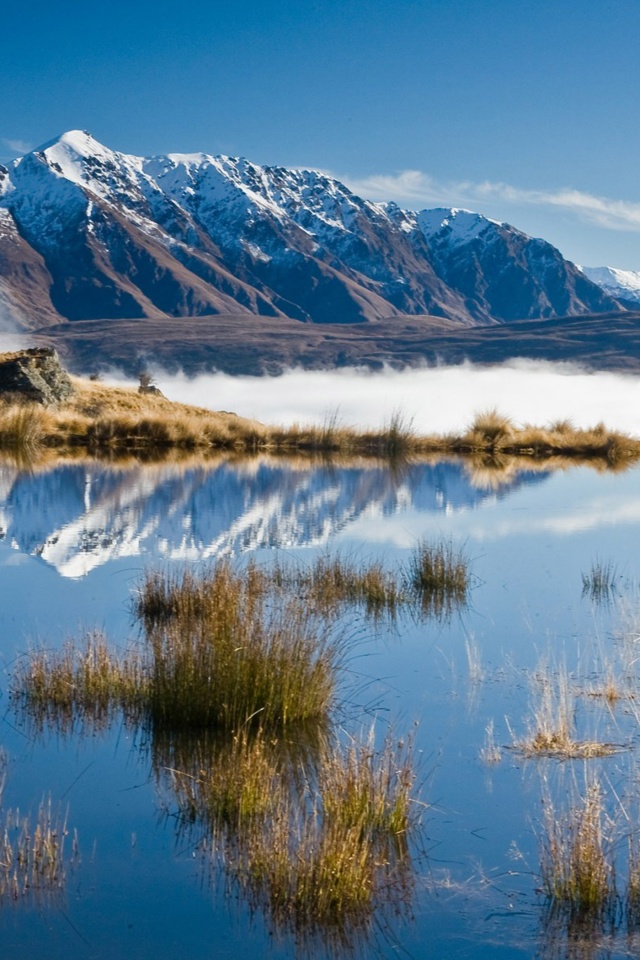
(35, 375)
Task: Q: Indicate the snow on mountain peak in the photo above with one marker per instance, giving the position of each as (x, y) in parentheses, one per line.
(459, 225)
(617, 283)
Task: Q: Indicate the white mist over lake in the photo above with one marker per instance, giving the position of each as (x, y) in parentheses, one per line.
(439, 399)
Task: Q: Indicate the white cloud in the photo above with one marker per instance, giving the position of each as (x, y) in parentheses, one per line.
(436, 400)
(17, 146)
(414, 186)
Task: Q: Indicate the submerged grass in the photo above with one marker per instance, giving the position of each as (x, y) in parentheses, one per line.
(599, 582)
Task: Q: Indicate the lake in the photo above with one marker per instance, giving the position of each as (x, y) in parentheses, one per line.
(76, 540)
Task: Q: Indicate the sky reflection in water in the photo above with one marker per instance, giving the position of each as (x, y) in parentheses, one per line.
(76, 542)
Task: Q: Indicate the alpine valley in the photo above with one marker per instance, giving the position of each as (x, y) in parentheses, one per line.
(205, 262)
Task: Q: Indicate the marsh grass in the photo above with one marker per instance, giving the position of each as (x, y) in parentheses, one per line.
(438, 575)
(247, 659)
(32, 854)
(334, 580)
(599, 582)
(576, 857)
(326, 862)
(111, 419)
(82, 682)
(552, 727)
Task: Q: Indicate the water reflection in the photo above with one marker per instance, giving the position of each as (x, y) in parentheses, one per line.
(80, 516)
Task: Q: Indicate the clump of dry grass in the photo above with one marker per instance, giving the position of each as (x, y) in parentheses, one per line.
(576, 857)
(219, 652)
(552, 729)
(85, 682)
(368, 788)
(324, 863)
(23, 426)
(490, 429)
(439, 576)
(229, 652)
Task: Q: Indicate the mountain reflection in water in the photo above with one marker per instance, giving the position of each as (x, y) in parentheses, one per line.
(77, 517)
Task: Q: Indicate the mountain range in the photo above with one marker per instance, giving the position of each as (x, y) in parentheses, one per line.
(90, 236)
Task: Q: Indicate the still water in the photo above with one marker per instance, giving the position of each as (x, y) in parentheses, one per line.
(75, 542)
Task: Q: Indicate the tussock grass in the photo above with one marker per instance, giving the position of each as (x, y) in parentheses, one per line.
(576, 857)
(218, 653)
(439, 576)
(333, 580)
(82, 682)
(552, 729)
(325, 862)
(367, 788)
(224, 651)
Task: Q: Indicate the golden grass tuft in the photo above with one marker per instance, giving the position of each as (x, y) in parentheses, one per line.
(551, 730)
(81, 682)
(439, 576)
(224, 652)
(576, 859)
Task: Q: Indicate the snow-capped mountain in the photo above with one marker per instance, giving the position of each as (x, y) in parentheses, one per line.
(79, 517)
(621, 284)
(90, 233)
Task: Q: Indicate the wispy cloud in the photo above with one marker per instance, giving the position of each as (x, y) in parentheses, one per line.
(416, 187)
(17, 146)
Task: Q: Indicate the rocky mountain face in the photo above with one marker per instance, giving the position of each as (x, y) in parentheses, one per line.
(90, 234)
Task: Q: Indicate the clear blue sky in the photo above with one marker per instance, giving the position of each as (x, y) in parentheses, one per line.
(527, 110)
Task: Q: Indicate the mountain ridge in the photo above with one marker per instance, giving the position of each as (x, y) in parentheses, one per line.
(87, 234)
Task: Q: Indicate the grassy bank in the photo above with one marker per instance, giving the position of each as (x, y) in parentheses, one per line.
(120, 419)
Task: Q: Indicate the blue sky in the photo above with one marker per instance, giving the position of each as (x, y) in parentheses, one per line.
(526, 110)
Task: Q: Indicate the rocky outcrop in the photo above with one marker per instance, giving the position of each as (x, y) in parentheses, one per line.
(35, 375)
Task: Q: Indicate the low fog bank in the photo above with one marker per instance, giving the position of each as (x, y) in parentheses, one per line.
(438, 400)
